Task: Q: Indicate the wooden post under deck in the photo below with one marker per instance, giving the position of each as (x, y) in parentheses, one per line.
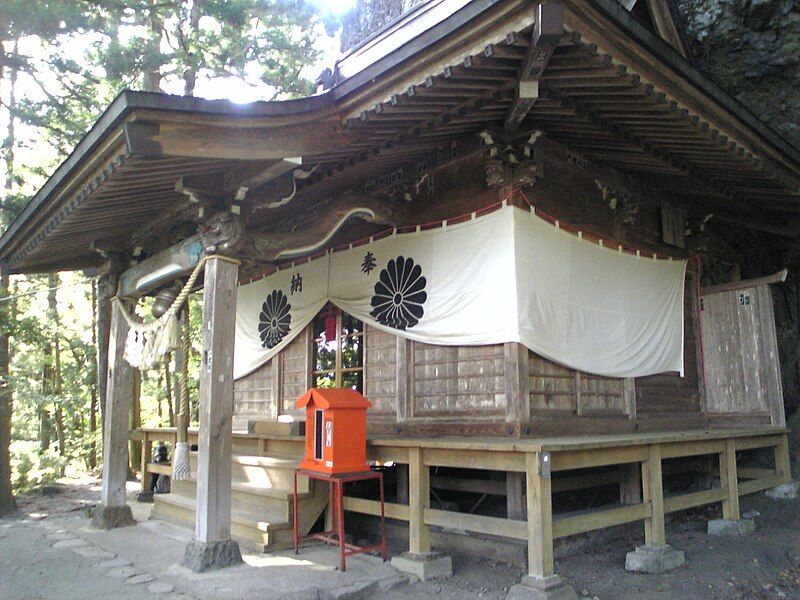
(213, 517)
(653, 492)
(729, 479)
(540, 518)
(419, 499)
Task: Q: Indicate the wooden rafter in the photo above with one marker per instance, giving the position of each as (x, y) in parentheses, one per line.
(547, 32)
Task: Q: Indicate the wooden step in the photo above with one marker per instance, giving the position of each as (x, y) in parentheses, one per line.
(251, 531)
(261, 501)
(268, 472)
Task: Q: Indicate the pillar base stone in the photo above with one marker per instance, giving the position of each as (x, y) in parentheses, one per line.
(654, 559)
(201, 556)
(427, 565)
(542, 588)
(111, 517)
(731, 527)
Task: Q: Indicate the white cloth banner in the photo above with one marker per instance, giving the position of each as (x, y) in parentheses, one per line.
(508, 276)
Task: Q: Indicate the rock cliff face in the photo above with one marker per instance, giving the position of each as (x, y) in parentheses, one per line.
(752, 49)
(368, 16)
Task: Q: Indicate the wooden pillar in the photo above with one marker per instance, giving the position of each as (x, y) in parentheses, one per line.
(213, 516)
(540, 515)
(419, 484)
(515, 359)
(653, 492)
(729, 480)
(118, 409)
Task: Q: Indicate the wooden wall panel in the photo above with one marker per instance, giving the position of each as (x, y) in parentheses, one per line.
(555, 389)
(295, 361)
(380, 372)
(552, 387)
(253, 396)
(458, 381)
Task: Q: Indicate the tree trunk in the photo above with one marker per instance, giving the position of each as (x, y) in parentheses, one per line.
(152, 74)
(7, 503)
(95, 380)
(135, 448)
(45, 426)
(56, 384)
(190, 75)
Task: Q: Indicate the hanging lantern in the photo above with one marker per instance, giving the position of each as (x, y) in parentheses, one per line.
(330, 323)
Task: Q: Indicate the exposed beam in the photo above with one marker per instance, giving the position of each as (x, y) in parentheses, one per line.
(547, 31)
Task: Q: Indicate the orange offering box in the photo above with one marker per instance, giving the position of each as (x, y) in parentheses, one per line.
(336, 430)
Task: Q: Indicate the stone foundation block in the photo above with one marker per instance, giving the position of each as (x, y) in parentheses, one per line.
(785, 491)
(542, 588)
(654, 559)
(428, 565)
(200, 556)
(731, 527)
(111, 517)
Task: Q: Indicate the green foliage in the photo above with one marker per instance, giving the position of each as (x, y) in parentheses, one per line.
(61, 64)
(31, 470)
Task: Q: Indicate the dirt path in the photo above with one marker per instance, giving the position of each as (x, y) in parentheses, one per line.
(48, 552)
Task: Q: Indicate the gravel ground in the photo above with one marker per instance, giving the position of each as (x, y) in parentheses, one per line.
(49, 552)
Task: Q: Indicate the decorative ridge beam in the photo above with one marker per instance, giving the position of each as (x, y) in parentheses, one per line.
(547, 31)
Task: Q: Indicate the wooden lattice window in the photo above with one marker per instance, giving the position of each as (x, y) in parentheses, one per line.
(339, 361)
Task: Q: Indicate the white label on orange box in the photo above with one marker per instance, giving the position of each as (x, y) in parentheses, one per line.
(328, 463)
(328, 434)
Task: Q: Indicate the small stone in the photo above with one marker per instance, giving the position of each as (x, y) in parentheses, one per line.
(93, 552)
(142, 578)
(786, 491)
(113, 563)
(731, 527)
(73, 543)
(653, 559)
(159, 587)
(123, 572)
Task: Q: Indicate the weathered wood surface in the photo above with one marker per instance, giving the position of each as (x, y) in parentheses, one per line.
(213, 516)
(117, 414)
(742, 369)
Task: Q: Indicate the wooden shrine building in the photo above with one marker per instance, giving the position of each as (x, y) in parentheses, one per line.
(580, 120)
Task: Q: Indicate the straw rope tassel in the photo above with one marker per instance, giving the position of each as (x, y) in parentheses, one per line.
(180, 457)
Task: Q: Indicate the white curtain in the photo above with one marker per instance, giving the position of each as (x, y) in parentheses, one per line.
(508, 276)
